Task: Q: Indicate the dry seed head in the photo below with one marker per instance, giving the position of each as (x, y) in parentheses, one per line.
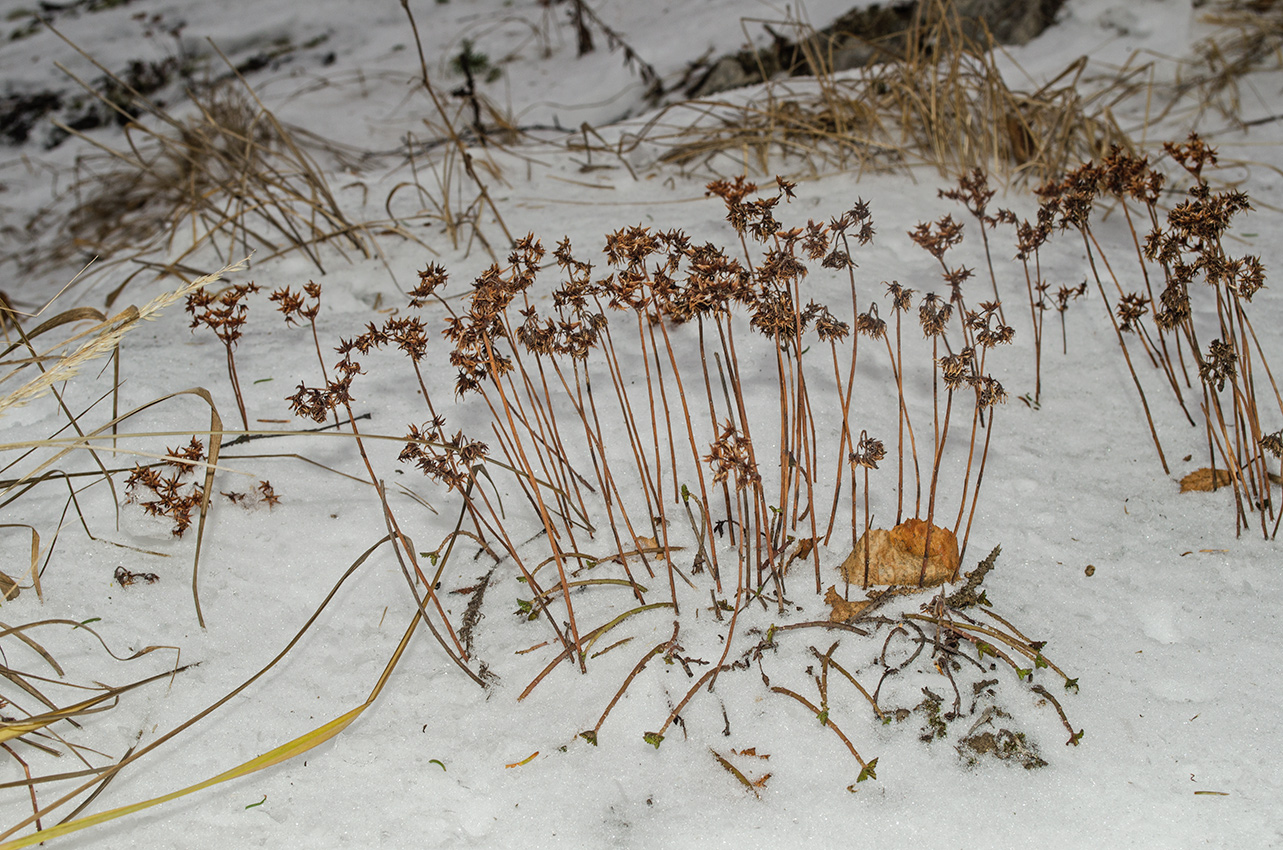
(1175, 307)
(868, 452)
(729, 456)
(901, 297)
(828, 327)
(1130, 309)
(1192, 154)
(869, 324)
(934, 314)
(1219, 365)
(430, 279)
(838, 259)
(955, 369)
(974, 193)
(1273, 443)
(946, 234)
(989, 392)
(816, 242)
(1250, 277)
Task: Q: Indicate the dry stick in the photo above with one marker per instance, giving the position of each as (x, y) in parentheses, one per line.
(826, 721)
(597, 450)
(804, 436)
(591, 736)
(547, 450)
(712, 416)
(1113, 320)
(711, 675)
(1246, 323)
(630, 425)
(454, 136)
(1165, 356)
(592, 404)
(760, 512)
(1035, 314)
(544, 515)
(935, 478)
(843, 440)
(589, 638)
(975, 497)
(501, 534)
(663, 397)
(690, 434)
(398, 537)
(971, 450)
(1160, 361)
(827, 660)
(897, 368)
(1248, 432)
(659, 469)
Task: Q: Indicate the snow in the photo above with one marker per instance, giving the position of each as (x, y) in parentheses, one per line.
(1168, 636)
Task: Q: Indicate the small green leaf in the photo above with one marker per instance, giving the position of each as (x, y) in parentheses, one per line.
(263, 381)
(87, 622)
(1023, 672)
(1071, 685)
(686, 494)
(1077, 736)
(259, 803)
(437, 762)
(983, 648)
(870, 771)
(823, 717)
(1039, 661)
(590, 736)
(653, 738)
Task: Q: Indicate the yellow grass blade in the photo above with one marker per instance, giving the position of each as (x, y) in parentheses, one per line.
(283, 753)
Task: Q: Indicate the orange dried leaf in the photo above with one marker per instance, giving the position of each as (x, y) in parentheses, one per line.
(843, 610)
(895, 557)
(1203, 480)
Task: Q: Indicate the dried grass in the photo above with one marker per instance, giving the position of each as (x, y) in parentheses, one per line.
(942, 101)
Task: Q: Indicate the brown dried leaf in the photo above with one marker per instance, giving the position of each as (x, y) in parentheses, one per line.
(1203, 480)
(9, 588)
(843, 611)
(895, 556)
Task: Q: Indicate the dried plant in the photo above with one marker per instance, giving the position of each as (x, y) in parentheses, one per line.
(1185, 246)
(939, 99)
(224, 313)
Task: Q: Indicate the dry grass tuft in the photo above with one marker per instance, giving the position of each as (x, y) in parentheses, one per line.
(940, 100)
(232, 177)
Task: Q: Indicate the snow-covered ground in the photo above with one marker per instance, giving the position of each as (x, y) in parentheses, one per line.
(1142, 593)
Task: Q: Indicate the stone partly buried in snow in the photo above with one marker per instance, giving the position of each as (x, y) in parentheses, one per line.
(895, 556)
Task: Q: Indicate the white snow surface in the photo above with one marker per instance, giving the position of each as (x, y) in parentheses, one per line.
(1179, 679)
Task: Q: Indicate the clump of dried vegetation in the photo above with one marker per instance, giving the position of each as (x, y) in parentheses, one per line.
(614, 451)
(934, 95)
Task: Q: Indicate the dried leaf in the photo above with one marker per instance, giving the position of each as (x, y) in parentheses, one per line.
(9, 588)
(1203, 480)
(843, 611)
(895, 556)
